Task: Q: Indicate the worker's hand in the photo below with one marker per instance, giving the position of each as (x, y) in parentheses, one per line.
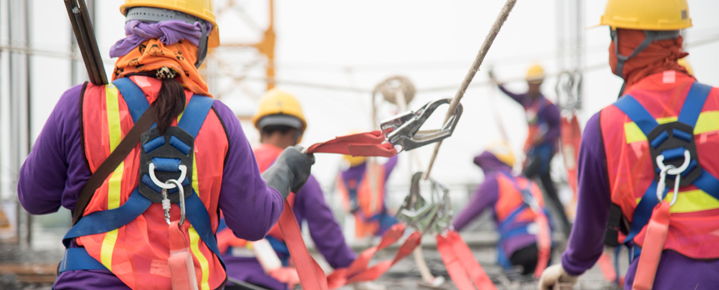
(368, 286)
(290, 171)
(553, 275)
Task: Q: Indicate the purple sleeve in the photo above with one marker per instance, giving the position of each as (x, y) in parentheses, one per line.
(518, 98)
(585, 244)
(324, 229)
(552, 117)
(55, 172)
(389, 166)
(485, 196)
(249, 206)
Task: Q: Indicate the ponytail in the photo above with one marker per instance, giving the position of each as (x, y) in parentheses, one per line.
(170, 102)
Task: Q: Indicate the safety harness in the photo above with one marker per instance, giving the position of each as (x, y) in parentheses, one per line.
(508, 228)
(166, 177)
(676, 165)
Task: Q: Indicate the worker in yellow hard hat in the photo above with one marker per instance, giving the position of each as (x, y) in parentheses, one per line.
(648, 175)
(511, 198)
(543, 120)
(147, 162)
(363, 187)
(282, 123)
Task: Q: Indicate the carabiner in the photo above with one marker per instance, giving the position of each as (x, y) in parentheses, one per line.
(403, 132)
(165, 185)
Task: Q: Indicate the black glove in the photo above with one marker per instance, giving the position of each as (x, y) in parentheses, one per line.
(290, 171)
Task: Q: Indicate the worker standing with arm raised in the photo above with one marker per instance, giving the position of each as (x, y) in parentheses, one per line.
(509, 197)
(281, 123)
(122, 239)
(367, 205)
(543, 119)
(647, 163)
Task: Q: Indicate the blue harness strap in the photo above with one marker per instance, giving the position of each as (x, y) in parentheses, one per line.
(80, 260)
(688, 115)
(108, 220)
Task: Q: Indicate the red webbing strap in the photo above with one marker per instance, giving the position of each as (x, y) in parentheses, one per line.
(544, 244)
(310, 273)
(466, 259)
(380, 268)
(182, 269)
(286, 275)
(452, 263)
(608, 271)
(362, 144)
(653, 246)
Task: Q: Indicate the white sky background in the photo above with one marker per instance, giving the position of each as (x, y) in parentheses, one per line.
(434, 44)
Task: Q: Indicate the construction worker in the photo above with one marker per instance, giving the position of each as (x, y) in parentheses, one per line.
(281, 124)
(662, 132)
(367, 204)
(196, 158)
(543, 119)
(510, 198)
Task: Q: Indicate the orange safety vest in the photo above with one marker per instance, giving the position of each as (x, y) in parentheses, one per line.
(370, 202)
(627, 128)
(511, 201)
(137, 252)
(536, 126)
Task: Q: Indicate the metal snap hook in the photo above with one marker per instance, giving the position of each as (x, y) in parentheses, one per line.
(181, 191)
(167, 185)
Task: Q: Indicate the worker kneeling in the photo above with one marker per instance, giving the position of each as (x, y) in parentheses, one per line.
(518, 211)
(648, 165)
(266, 263)
(146, 202)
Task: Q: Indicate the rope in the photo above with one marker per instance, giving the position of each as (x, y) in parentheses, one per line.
(392, 86)
(473, 71)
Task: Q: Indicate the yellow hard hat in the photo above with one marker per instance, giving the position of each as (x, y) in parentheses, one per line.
(502, 151)
(535, 73)
(199, 8)
(647, 14)
(284, 109)
(683, 62)
(354, 160)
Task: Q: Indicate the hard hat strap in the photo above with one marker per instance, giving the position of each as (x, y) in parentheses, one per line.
(151, 14)
(651, 36)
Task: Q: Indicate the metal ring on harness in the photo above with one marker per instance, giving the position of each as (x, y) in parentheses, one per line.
(166, 185)
(675, 171)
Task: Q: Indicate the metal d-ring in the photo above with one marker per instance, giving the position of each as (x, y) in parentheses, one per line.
(676, 170)
(166, 185)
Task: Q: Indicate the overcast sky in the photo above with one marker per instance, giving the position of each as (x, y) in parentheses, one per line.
(359, 43)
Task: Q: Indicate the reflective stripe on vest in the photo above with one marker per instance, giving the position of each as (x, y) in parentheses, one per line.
(625, 125)
(120, 226)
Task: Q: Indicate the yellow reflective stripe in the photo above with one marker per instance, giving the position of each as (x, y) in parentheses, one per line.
(114, 190)
(707, 122)
(195, 247)
(692, 201)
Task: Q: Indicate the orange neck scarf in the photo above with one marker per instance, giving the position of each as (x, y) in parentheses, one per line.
(153, 54)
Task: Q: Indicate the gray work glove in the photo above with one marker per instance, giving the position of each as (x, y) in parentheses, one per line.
(290, 171)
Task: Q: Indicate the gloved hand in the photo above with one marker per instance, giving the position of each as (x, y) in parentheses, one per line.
(290, 171)
(368, 286)
(553, 275)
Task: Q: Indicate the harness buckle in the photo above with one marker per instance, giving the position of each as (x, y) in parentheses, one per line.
(402, 131)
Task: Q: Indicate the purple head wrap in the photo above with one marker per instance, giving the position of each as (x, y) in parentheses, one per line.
(168, 31)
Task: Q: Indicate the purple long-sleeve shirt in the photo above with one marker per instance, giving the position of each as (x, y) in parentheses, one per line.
(326, 233)
(549, 115)
(358, 171)
(586, 241)
(486, 196)
(55, 172)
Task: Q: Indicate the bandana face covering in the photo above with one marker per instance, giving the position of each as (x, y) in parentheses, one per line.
(153, 54)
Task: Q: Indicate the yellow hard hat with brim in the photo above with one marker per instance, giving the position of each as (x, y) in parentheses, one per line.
(202, 9)
(646, 15)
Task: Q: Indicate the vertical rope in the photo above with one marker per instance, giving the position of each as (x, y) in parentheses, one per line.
(473, 71)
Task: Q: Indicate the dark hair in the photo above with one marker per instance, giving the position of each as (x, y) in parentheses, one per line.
(170, 103)
(270, 129)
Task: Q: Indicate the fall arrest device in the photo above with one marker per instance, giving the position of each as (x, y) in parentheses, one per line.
(676, 164)
(166, 177)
